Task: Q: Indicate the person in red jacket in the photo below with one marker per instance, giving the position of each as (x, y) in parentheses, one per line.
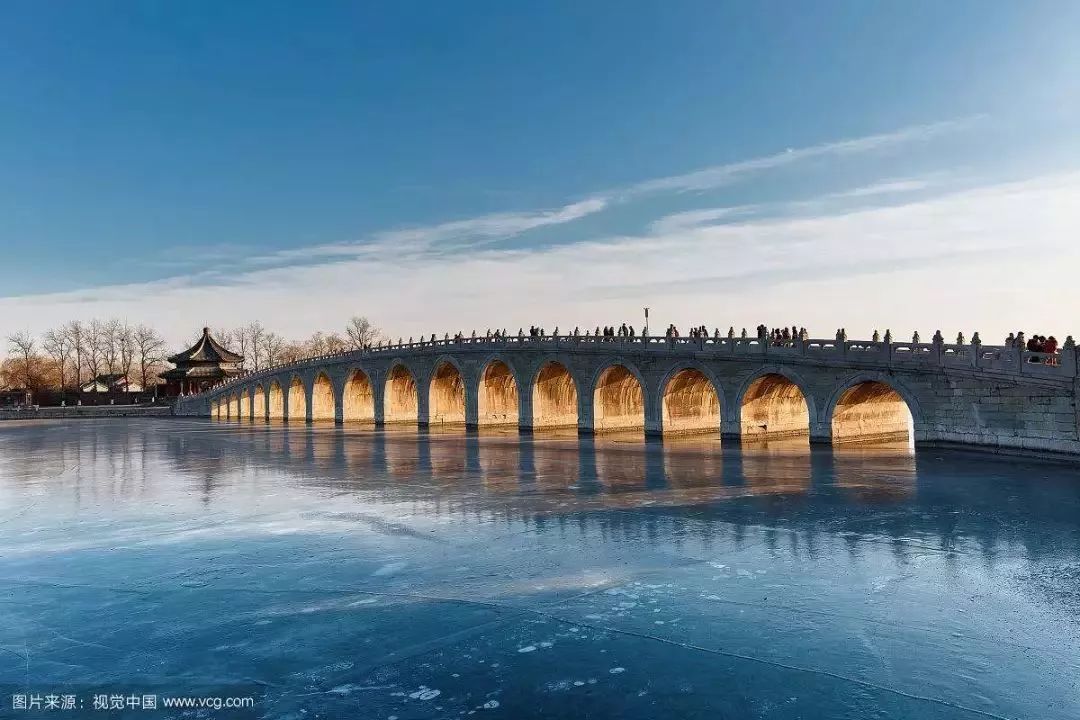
(1051, 346)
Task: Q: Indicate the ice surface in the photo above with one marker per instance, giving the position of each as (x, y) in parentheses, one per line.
(341, 572)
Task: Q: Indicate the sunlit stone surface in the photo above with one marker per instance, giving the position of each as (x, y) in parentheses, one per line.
(343, 572)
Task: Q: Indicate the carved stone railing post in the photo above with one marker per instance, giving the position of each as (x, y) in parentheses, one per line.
(1069, 354)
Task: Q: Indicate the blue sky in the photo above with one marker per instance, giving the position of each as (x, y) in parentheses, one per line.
(310, 163)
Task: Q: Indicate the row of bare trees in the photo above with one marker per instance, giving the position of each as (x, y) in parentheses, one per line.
(63, 357)
(67, 357)
(262, 348)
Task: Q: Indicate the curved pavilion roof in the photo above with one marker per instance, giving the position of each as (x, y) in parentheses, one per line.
(206, 350)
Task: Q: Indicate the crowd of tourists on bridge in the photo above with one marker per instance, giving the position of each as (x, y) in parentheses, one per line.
(1035, 344)
(780, 337)
(1047, 347)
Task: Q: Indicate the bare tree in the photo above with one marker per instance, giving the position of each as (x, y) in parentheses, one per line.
(272, 346)
(95, 340)
(125, 343)
(109, 339)
(240, 344)
(315, 345)
(292, 351)
(58, 345)
(76, 337)
(222, 335)
(22, 345)
(254, 335)
(334, 343)
(361, 333)
(149, 352)
(232, 339)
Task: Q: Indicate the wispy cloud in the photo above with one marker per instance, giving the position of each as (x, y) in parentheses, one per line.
(885, 187)
(720, 175)
(677, 222)
(443, 236)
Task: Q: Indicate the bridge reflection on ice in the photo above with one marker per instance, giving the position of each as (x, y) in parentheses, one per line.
(623, 469)
(553, 472)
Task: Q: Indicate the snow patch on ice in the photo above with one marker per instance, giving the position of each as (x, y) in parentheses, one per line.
(390, 568)
(425, 693)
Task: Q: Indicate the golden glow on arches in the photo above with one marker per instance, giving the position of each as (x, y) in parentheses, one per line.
(358, 400)
(399, 396)
(555, 398)
(322, 398)
(871, 412)
(690, 404)
(498, 395)
(618, 401)
(259, 411)
(297, 400)
(446, 396)
(774, 407)
(275, 409)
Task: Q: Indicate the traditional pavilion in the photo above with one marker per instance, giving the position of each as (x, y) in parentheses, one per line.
(204, 364)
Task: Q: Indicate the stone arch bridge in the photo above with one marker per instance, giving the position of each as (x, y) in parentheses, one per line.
(747, 389)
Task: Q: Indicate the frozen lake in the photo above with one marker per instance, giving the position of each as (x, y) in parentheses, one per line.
(342, 572)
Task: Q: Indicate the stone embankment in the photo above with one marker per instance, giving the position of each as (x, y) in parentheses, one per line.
(86, 411)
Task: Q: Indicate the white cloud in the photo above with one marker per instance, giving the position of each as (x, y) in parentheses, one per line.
(992, 259)
(721, 175)
(448, 235)
(696, 218)
(885, 187)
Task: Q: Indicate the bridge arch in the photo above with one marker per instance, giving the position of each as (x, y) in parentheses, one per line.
(554, 396)
(446, 393)
(691, 400)
(498, 397)
(275, 401)
(297, 400)
(400, 399)
(322, 397)
(258, 411)
(775, 403)
(234, 407)
(618, 397)
(873, 407)
(358, 397)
